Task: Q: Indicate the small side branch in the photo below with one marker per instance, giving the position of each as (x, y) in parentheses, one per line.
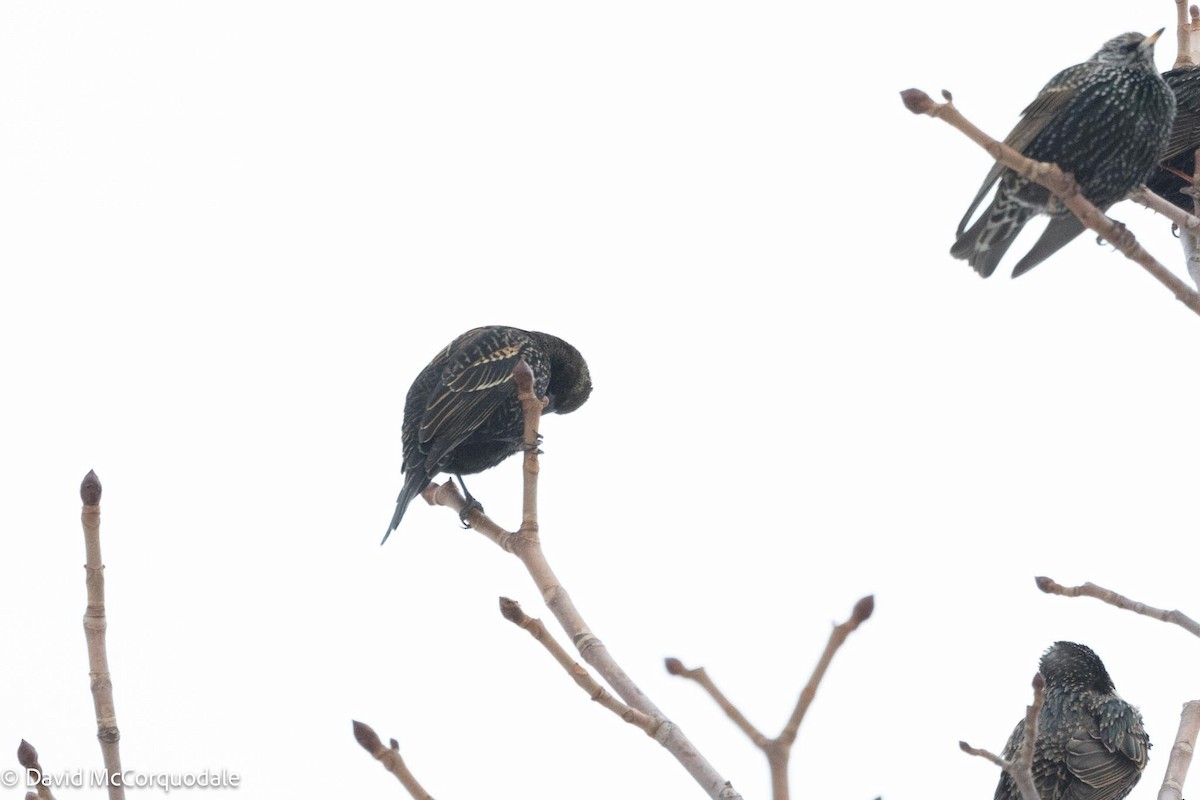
(1061, 184)
(1175, 617)
(1020, 768)
(778, 750)
(28, 758)
(95, 625)
(511, 610)
(1181, 752)
(365, 735)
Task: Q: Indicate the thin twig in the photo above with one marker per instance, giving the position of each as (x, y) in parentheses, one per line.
(1181, 752)
(27, 757)
(511, 610)
(525, 544)
(365, 735)
(95, 623)
(1020, 768)
(1062, 185)
(779, 749)
(1176, 617)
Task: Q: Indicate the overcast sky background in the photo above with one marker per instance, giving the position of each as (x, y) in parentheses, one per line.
(233, 233)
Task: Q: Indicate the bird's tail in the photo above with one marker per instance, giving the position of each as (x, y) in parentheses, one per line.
(414, 483)
(1059, 232)
(986, 242)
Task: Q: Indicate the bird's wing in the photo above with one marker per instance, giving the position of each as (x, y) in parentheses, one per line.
(1185, 133)
(1108, 759)
(471, 389)
(1033, 119)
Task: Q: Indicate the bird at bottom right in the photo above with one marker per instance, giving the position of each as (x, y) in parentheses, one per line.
(1090, 744)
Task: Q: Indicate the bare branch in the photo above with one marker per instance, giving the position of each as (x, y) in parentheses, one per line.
(862, 612)
(95, 624)
(1120, 601)
(365, 735)
(779, 749)
(700, 676)
(1187, 35)
(1062, 185)
(1181, 752)
(1020, 768)
(511, 609)
(526, 545)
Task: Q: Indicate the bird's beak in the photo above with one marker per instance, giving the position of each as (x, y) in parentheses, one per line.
(1151, 39)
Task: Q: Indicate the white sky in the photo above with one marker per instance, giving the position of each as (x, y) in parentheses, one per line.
(232, 234)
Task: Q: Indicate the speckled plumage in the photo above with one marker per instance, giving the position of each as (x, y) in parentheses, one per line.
(1180, 151)
(1105, 121)
(1091, 744)
(462, 414)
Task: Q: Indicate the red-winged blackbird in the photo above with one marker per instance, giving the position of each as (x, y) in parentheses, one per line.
(1090, 744)
(1105, 121)
(462, 414)
(1179, 155)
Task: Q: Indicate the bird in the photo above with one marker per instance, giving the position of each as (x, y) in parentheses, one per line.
(462, 415)
(1177, 161)
(1105, 121)
(1090, 744)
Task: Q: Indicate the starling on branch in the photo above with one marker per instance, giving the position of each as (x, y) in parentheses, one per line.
(1090, 744)
(1178, 159)
(1105, 121)
(462, 414)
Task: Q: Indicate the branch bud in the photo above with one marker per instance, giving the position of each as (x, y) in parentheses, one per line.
(674, 666)
(511, 610)
(863, 609)
(26, 755)
(366, 736)
(89, 490)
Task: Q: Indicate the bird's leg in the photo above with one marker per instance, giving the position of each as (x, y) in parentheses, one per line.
(472, 503)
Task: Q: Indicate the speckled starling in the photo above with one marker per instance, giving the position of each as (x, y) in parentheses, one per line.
(1090, 744)
(1178, 159)
(462, 414)
(1105, 121)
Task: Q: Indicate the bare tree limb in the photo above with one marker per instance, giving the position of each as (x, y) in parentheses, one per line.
(365, 735)
(1020, 768)
(1175, 617)
(1181, 752)
(526, 545)
(1062, 185)
(95, 624)
(1187, 35)
(512, 612)
(27, 757)
(779, 749)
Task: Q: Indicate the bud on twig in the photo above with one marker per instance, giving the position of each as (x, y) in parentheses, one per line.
(89, 490)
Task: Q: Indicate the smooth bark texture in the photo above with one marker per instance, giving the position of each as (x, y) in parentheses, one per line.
(1181, 752)
(1175, 617)
(95, 625)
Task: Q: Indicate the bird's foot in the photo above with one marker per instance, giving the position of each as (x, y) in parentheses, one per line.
(464, 516)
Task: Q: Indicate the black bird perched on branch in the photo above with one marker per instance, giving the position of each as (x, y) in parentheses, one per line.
(1090, 744)
(1178, 159)
(1105, 121)
(462, 414)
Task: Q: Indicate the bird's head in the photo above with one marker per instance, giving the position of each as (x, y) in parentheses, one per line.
(1130, 50)
(570, 381)
(1067, 665)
